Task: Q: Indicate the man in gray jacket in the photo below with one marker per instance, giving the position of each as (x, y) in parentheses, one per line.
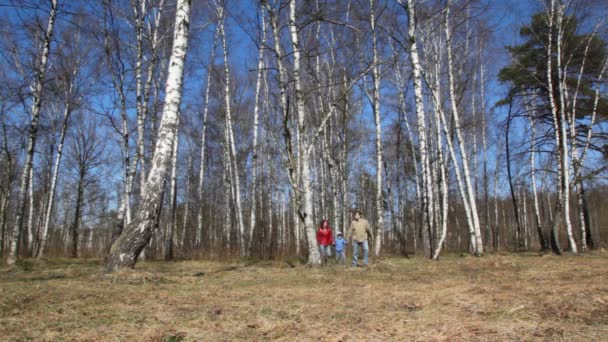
(358, 233)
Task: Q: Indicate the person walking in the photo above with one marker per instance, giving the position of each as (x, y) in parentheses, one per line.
(325, 240)
(358, 235)
(340, 245)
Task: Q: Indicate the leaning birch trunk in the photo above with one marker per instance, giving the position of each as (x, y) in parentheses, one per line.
(376, 108)
(125, 250)
(463, 154)
(231, 145)
(314, 258)
(563, 134)
(422, 131)
(51, 198)
(37, 90)
(256, 115)
(173, 199)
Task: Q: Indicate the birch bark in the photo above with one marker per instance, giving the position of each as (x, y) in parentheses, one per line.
(125, 250)
(377, 120)
(232, 143)
(37, 90)
(463, 154)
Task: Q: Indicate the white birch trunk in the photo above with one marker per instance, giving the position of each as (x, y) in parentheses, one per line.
(560, 200)
(314, 258)
(256, 114)
(55, 172)
(377, 121)
(125, 250)
(537, 221)
(442, 167)
(229, 121)
(29, 242)
(422, 131)
(463, 154)
(37, 90)
(173, 199)
(178, 241)
(564, 133)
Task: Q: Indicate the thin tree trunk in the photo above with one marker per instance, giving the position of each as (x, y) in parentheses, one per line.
(179, 242)
(37, 90)
(201, 175)
(558, 141)
(463, 154)
(378, 123)
(76, 223)
(232, 143)
(55, 172)
(126, 248)
(256, 114)
(539, 228)
(518, 240)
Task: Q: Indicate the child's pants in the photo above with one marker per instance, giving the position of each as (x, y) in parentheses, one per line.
(340, 257)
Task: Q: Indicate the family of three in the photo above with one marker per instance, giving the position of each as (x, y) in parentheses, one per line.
(357, 235)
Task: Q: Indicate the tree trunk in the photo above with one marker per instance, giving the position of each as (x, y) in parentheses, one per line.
(173, 199)
(478, 245)
(37, 90)
(126, 248)
(55, 172)
(314, 258)
(201, 175)
(563, 134)
(377, 121)
(422, 131)
(232, 143)
(557, 134)
(256, 115)
(518, 241)
(539, 228)
(76, 223)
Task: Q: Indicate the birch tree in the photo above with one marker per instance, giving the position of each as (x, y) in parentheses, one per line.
(230, 130)
(478, 244)
(426, 183)
(125, 250)
(378, 122)
(37, 93)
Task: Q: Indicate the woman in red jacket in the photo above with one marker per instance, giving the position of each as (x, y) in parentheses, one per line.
(325, 239)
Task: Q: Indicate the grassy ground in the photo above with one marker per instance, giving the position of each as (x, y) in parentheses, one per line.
(493, 298)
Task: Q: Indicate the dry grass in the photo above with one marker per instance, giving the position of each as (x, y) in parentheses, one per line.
(494, 298)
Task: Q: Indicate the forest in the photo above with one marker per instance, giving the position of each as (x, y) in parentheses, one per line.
(147, 144)
(235, 136)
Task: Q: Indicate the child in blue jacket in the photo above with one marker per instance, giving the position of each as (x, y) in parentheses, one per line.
(340, 244)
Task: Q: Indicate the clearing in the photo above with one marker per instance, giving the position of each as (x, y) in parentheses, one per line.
(499, 297)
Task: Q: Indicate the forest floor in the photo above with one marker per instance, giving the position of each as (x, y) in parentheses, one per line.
(498, 297)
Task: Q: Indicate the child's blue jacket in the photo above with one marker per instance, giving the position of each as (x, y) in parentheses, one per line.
(340, 242)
